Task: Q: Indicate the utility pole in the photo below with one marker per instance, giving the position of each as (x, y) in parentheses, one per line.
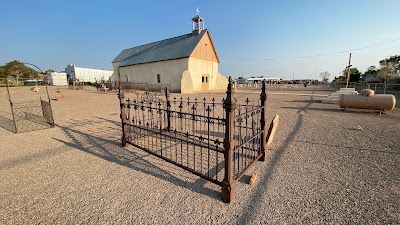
(348, 72)
(315, 73)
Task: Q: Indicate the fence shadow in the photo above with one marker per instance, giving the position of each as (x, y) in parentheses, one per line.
(306, 101)
(27, 116)
(249, 211)
(101, 137)
(7, 124)
(339, 110)
(343, 146)
(28, 122)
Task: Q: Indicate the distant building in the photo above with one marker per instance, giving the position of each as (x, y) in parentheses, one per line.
(187, 63)
(371, 78)
(86, 74)
(57, 78)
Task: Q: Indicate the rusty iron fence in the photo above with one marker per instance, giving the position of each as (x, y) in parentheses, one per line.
(29, 115)
(216, 140)
(136, 86)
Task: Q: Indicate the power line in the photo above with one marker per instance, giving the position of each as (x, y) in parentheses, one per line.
(313, 56)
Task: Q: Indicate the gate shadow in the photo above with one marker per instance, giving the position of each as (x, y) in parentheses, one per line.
(101, 137)
(7, 124)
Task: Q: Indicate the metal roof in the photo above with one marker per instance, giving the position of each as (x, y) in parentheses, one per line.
(172, 48)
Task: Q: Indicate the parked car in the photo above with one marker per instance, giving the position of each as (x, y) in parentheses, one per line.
(31, 82)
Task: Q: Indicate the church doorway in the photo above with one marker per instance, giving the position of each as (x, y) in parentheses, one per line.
(204, 82)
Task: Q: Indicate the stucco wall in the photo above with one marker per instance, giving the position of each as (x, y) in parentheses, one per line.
(199, 67)
(221, 82)
(170, 72)
(186, 83)
(115, 75)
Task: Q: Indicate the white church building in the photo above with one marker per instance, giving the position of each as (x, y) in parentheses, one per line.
(188, 63)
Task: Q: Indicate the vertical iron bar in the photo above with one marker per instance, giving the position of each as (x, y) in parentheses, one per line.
(11, 106)
(228, 184)
(51, 110)
(168, 109)
(128, 120)
(263, 98)
(218, 121)
(208, 140)
(181, 127)
(121, 96)
(194, 128)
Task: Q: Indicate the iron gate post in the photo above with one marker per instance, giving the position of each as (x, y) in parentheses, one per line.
(167, 95)
(121, 96)
(51, 110)
(263, 98)
(228, 184)
(12, 107)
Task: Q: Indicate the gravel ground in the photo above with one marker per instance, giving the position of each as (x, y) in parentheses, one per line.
(324, 166)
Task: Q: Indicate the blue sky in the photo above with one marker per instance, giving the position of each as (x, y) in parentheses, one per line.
(52, 34)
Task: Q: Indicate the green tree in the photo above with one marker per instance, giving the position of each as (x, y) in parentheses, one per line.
(17, 70)
(355, 74)
(371, 70)
(2, 72)
(389, 68)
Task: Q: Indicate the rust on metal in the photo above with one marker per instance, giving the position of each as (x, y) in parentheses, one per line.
(216, 140)
(31, 115)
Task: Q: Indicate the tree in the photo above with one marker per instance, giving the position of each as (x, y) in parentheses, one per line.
(17, 69)
(355, 74)
(370, 70)
(389, 68)
(49, 71)
(385, 73)
(325, 76)
(2, 72)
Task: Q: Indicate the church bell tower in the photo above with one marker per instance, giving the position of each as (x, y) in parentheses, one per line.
(197, 23)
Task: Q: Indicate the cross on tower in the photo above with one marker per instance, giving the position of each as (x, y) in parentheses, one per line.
(198, 22)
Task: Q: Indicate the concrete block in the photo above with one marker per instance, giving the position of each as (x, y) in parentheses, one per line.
(253, 179)
(272, 129)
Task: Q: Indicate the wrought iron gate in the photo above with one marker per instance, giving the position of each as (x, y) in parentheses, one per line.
(217, 141)
(31, 115)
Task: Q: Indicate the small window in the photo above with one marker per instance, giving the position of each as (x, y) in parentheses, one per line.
(202, 79)
(206, 79)
(158, 78)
